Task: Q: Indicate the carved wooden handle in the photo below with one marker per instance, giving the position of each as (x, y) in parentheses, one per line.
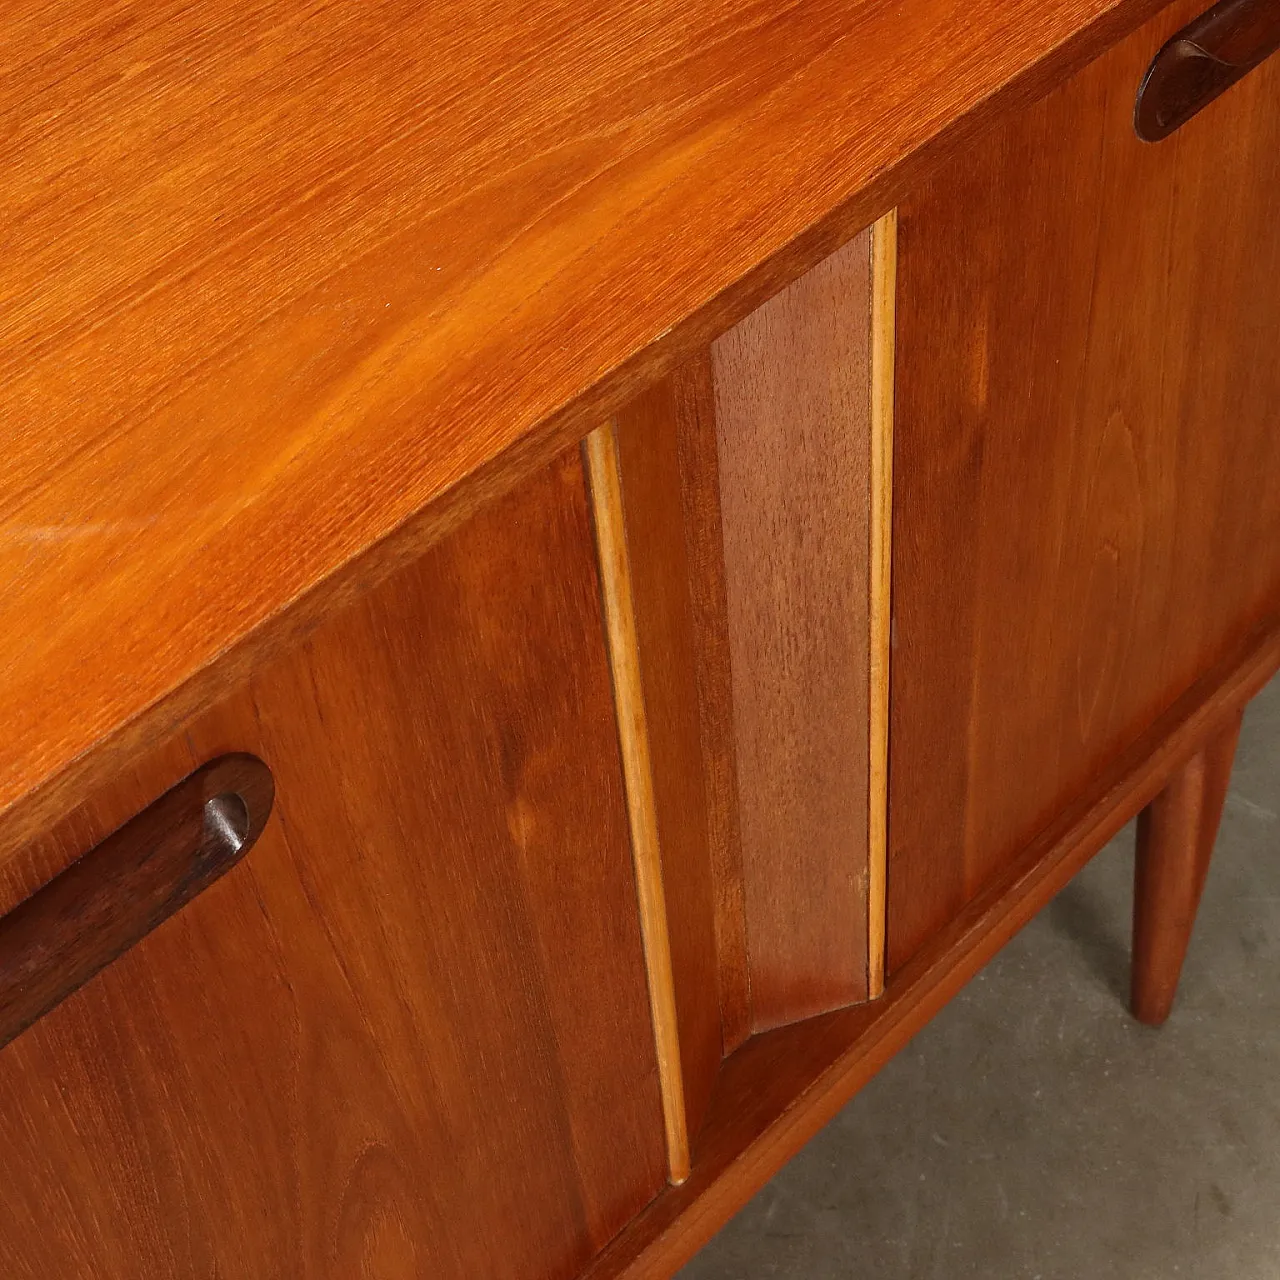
(119, 891)
(1203, 60)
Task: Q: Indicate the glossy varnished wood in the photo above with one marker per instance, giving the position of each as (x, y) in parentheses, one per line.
(1176, 835)
(409, 1034)
(1085, 509)
(600, 452)
(284, 282)
(793, 426)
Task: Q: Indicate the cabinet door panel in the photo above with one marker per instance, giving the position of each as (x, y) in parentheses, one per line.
(409, 1034)
(756, 492)
(1086, 506)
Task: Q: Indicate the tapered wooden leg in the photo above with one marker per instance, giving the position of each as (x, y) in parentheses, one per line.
(1176, 834)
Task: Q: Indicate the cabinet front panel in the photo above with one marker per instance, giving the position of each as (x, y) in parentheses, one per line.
(1086, 495)
(409, 1034)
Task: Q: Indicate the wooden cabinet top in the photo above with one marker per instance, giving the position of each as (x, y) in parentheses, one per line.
(289, 289)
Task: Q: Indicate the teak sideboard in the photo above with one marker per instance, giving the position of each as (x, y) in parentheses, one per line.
(572, 572)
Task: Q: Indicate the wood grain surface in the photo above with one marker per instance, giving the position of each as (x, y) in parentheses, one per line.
(408, 1035)
(884, 301)
(281, 282)
(694, 409)
(1176, 835)
(1086, 513)
(600, 456)
(649, 456)
(781, 1087)
(793, 397)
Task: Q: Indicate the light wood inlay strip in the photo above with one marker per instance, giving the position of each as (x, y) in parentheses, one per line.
(884, 286)
(601, 452)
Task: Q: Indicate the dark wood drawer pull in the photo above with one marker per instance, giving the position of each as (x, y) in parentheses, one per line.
(1203, 60)
(119, 891)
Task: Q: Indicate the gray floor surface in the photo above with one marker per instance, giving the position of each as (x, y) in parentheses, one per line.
(1034, 1130)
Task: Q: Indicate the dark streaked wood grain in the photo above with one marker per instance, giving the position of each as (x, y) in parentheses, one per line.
(409, 1035)
(1176, 835)
(291, 292)
(1085, 509)
(792, 404)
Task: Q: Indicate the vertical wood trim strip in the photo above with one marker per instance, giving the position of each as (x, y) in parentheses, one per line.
(648, 432)
(884, 288)
(601, 453)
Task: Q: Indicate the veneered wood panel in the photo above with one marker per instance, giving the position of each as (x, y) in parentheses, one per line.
(284, 284)
(792, 396)
(1086, 513)
(409, 1035)
(649, 457)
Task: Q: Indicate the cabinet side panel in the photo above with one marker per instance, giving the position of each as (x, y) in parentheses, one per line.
(792, 400)
(1086, 512)
(409, 1035)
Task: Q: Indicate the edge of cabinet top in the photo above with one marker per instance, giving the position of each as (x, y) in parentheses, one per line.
(288, 290)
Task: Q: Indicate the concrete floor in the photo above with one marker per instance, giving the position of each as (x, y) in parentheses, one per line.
(1034, 1131)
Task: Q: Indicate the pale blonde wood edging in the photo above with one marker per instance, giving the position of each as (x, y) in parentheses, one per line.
(884, 285)
(601, 453)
